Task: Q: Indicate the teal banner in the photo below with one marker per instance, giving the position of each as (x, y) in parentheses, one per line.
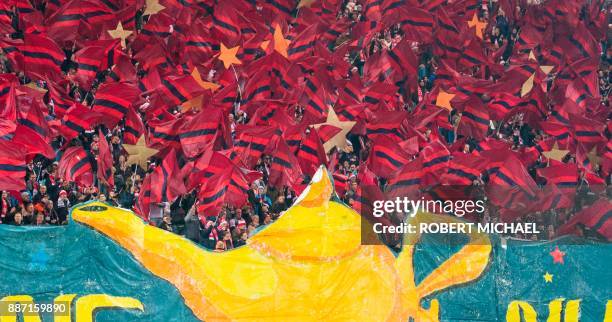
(77, 273)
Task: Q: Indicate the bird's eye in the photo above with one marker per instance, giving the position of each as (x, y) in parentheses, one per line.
(93, 208)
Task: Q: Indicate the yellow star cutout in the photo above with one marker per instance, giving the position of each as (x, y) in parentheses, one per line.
(527, 85)
(204, 84)
(548, 277)
(338, 140)
(443, 100)
(228, 56)
(153, 7)
(480, 26)
(139, 153)
(120, 33)
(555, 153)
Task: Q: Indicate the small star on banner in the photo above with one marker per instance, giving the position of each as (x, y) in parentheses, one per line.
(557, 255)
(548, 277)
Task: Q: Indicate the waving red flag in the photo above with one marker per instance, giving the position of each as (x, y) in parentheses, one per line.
(386, 157)
(597, 217)
(166, 184)
(12, 166)
(105, 161)
(42, 57)
(311, 153)
(75, 166)
(113, 100)
(32, 142)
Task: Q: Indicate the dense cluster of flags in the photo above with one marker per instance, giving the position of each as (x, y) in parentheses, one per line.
(264, 58)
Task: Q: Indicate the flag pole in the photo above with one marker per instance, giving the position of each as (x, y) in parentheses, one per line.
(238, 86)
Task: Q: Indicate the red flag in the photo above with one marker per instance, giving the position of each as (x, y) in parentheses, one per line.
(133, 128)
(212, 194)
(198, 132)
(407, 182)
(78, 119)
(58, 99)
(587, 131)
(12, 166)
(42, 57)
(311, 153)
(304, 43)
(143, 203)
(32, 142)
(252, 141)
(214, 164)
(564, 176)
(88, 61)
(386, 123)
(8, 99)
(199, 45)
(105, 162)
(113, 100)
(597, 218)
(164, 134)
(179, 89)
(75, 166)
(66, 23)
(35, 119)
(474, 120)
(435, 159)
(386, 157)
(285, 169)
(464, 169)
(166, 184)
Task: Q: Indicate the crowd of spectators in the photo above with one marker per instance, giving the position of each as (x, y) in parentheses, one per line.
(47, 199)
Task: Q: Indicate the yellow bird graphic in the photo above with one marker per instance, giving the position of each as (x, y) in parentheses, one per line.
(309, 265)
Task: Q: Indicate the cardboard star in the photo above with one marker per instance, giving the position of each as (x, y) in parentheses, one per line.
(35, 87)
(305, 3)
(120, 33)
(548, 277)
(532, 56)
(280, 43)
(555, 153)
(479, 25)
(527, 85)
(153, 7)
(546, 69)
(204, 84)
(557, 255)
(443, 100)
(594, 159)
(338, 140)
(192, 104)
(139, 153)
(228, 56)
